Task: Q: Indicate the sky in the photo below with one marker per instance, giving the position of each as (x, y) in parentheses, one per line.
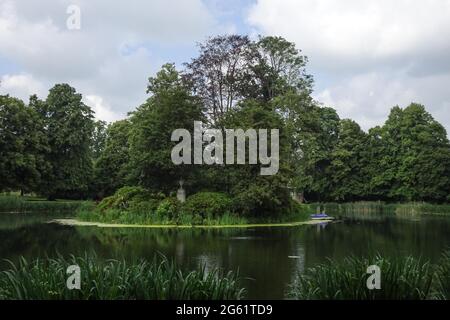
(366, 56)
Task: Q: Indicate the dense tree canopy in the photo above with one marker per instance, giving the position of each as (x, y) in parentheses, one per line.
(22, 146)
(68, 125)
(170, 107)
(110, 169)
(55, 148)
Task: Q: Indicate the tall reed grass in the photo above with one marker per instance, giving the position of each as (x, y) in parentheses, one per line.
(159, 279)
(404, 278)
(19, 204)
(379, 208)
(443, 277)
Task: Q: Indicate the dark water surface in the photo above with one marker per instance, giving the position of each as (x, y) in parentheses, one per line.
(271, 257)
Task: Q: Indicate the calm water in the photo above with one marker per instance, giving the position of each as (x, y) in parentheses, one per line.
(269, 256)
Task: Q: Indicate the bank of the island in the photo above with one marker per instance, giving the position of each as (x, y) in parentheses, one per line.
(137, 207)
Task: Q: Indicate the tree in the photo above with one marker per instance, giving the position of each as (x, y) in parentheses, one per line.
(22, 144)
(255, 194)
(348, 161)
(276, 67)
(68, 124)
(111, 166)
(170, 107)
(217, 74)
(416, 160)
(230, 69)
(98, 138)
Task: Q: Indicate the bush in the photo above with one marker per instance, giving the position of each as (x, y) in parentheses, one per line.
(261, 199)
(133, 198)
(207, 205)
(169, 209)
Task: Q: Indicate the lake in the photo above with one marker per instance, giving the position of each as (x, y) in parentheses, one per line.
(267, 258)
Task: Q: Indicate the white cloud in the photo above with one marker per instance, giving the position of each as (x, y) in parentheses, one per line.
(358, 32)
(109, 57)
(21, 86)
(368, 98)
(102, 110)
(370, 54)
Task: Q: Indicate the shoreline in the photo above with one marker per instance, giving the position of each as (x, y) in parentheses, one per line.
(75, 222)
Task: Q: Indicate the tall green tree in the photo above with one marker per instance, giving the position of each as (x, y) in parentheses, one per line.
(68, 124)
(276, 68)
(171, 106)
(98, 138)
(256, 194)
(22, 146)
(348, 161)
(416, 155)
(111, 167)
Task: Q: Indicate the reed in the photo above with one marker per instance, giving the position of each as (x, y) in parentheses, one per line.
(378, 208)
(443, 277)
(159, 279)
(19, 204)
(401, 278)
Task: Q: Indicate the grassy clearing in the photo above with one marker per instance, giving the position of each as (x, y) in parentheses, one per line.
(113, 279)
(401, 278)
(17, 204)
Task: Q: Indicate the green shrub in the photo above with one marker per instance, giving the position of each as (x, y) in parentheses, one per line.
(169, 209)
(207, 205)
(136, 199)
(261, 199)
(113, 279)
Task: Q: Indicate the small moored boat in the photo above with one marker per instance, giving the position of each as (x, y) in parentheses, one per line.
(321, 216)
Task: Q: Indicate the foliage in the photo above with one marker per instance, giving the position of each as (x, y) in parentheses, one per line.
(380, 208)
(443, 277)
(170, 107)
(110, 168)
(208, 205)
(159, 279)
(169, 209)
(413, 160)
(18, 204)
(401, 278)
(127, 197)
(22, 143)
(68, 125)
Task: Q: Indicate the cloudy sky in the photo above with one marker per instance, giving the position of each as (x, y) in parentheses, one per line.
(366, 55)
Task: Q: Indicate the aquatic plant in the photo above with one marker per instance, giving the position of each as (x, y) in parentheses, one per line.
(401, 278)
(19, 204)
(159, 279)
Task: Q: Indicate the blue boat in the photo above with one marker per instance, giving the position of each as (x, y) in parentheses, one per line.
(320, 216)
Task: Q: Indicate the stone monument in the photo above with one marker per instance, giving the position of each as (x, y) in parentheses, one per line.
(181, 193)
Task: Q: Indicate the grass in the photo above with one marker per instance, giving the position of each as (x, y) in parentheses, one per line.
(17, 204)
(159, 279)
(379, 208)
(401, 278)
(443, 277)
